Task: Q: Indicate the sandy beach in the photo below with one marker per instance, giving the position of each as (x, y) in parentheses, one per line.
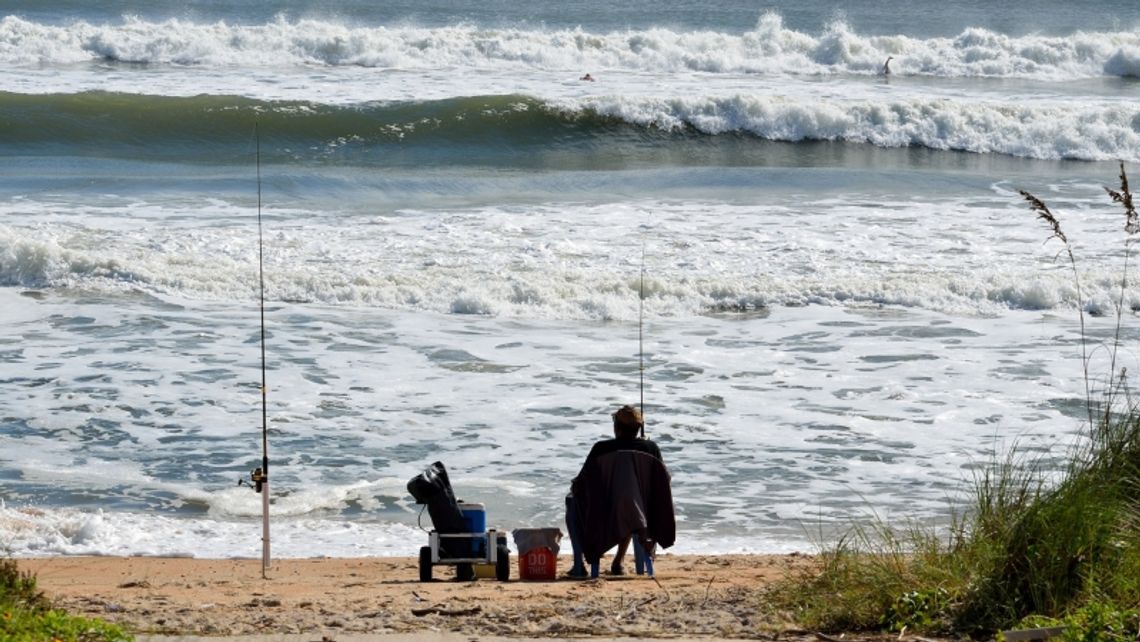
(691, 596)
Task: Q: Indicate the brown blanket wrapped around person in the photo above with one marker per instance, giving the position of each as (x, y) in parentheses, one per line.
(623, 492)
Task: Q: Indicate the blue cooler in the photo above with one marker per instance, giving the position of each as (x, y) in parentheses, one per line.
(475, 519)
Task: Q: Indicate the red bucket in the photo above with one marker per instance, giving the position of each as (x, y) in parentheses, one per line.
(538, 564)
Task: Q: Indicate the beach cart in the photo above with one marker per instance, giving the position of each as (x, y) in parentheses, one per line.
(469, 553)
(460, 536)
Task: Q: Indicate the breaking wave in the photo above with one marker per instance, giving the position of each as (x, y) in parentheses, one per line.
(484, 278)
(768, 48)
(155, 124)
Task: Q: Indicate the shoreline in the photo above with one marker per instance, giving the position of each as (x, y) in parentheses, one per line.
(698, 596)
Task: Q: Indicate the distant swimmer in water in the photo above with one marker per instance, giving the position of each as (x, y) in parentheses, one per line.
(887, 66)
(587, 77)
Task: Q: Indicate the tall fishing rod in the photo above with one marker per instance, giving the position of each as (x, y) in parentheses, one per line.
(259, 478)
(264, 387)
(641, 337)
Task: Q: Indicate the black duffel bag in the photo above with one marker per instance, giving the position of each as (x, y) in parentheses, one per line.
(432, 487)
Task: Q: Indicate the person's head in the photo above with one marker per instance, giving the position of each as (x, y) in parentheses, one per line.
(627, 421)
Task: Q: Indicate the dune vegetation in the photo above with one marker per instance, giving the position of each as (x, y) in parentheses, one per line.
(1034, 546)
(26, 615)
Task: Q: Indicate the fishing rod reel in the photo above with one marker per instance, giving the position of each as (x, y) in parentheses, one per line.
(257, 479)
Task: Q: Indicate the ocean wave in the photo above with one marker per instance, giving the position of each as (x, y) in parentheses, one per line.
(1040, 131)
(768, 48)
(487, 281)
(66, 531)
(1125, 63)
(154, 125)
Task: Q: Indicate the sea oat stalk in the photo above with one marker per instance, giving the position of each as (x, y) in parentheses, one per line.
(1043, 213)
(1131, 226)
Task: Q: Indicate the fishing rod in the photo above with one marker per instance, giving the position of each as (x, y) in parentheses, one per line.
(641, 337)
(264, 388)
(259, 478)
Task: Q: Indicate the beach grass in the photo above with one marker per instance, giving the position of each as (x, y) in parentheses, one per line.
(1037, 544)
(26, 615)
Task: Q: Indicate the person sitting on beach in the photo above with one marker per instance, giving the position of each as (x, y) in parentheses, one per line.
(587, 77)
(599, 516)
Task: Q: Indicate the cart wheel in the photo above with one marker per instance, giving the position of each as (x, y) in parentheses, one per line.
(425, 563)
(503, 564)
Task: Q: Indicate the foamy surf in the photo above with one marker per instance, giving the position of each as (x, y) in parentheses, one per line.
(546, 261)
(848, 308)
(768, 48)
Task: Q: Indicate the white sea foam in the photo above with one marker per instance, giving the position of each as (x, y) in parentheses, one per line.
(40, 532)
(36, 532)
(1040, 130)
(768, 48)
(774, 427)
(549, 261)
(897, 349)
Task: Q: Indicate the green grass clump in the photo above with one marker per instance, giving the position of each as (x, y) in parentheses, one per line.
(27, 616)
(1052, 549)
(1092, 623)
(1035, 546)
